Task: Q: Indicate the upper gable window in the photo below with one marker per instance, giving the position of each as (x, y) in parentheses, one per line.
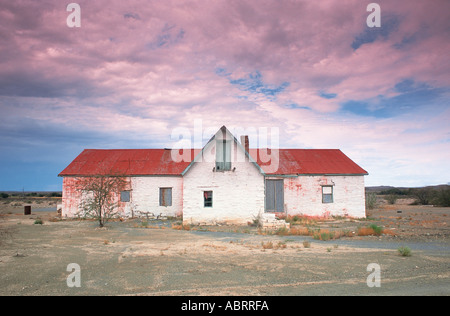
(223, 155)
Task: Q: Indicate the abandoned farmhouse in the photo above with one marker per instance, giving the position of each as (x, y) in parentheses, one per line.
(224, 182)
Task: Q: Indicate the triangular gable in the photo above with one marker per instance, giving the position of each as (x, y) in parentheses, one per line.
(223, 129)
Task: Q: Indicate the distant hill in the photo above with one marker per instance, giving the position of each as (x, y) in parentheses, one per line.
(387, 188)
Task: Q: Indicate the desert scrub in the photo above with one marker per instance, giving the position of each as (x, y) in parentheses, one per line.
(323, 234)
(283, 231)
(181, 227)
(370, 231)
(371, 201)
(391, 198)
(257, 221)
(376, 229)
(271, 245)
(404, 251)
(38, 222)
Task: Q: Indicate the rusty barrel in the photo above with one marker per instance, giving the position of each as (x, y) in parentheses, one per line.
(27, 210)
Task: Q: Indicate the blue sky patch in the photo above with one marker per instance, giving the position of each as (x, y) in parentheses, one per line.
(327, 95)
(254, 83)
(389, 24)
(296, 106)
(413, 96)
(168, 36)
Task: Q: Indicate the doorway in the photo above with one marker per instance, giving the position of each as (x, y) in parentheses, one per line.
(274, 196)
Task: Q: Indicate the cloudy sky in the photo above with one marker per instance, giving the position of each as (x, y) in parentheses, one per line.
(136, 70)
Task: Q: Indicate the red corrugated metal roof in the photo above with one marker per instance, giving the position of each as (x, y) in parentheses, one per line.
(133, 162)
(311, 161)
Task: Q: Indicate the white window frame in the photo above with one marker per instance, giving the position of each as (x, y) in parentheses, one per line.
(327, 196)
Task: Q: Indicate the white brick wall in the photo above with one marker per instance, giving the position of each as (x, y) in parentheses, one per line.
(238, 196)
(145, 195)
(70, 197)
(303, 195)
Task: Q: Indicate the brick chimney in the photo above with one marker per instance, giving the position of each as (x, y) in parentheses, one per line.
(245, 143)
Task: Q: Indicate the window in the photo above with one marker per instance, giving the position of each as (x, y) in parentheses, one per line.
(125, 196)
(165, 196)
(223, 155)
(207, 198)
(327, 194)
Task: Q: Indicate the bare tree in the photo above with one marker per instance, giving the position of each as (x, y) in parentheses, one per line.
(101, 196)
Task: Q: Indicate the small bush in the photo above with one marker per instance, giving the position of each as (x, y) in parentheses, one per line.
(391, 198)
(270, 245)
(324, 235)
(181, 227)
(372, 230)
(371, 201)
(38, 222)
(365, 231)
(442, 198)
(257, 221)
(376, 229)
(283, 231)
(299, 231)
(422, 195)
(404, 251)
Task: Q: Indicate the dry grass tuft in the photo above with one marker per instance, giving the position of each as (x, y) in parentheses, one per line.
(365, 231)
(181, 227)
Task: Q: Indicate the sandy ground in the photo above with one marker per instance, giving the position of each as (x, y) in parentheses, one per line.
(127, 259)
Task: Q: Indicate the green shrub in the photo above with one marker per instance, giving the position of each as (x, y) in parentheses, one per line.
(38, 222)
(404, 251)
(325, 236)
(377, 229)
